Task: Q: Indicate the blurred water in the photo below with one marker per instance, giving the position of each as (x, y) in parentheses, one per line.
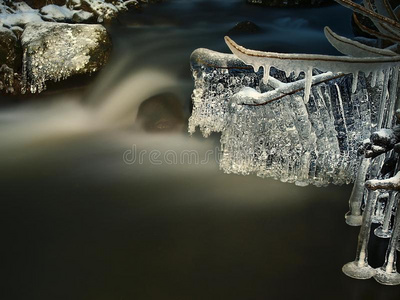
(84, 220)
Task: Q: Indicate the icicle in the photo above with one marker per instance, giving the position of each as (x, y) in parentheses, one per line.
(342, 112)
(355, 81)
(296, 72)
(256, 67)
(381, 76)
(24, 73)
(392, 96)
(373, 79)
(381, 120)
(266, 73)
(307, 87)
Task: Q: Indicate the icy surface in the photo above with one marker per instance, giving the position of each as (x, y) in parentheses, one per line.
(274, 129)
(54, 51)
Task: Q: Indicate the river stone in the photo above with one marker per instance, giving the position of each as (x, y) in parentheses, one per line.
(244, 27)
(56, 51)
(161, 113)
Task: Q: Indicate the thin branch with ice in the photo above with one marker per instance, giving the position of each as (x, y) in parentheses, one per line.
(353, 48)
(392, 184)
(251, 97)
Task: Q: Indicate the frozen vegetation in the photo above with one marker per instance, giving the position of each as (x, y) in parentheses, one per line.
(45, 44)
(314, 119)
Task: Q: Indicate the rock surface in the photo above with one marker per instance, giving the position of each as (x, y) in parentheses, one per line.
(161, 113)
(55, 51)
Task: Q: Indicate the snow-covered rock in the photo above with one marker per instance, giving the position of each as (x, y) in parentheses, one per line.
(19, 13)
(58, 13)
(102, 10)
(55, 51)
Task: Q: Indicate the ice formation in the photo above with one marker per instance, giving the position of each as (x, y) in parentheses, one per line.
(56, 51)
(295, 127)
(315, 119)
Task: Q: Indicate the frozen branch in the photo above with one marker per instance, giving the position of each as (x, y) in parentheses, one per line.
(392, 184)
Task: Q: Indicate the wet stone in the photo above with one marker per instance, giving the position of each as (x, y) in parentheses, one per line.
(160, 113)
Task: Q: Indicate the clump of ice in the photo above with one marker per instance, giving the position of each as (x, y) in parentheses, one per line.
(54, 51)
(273, 129)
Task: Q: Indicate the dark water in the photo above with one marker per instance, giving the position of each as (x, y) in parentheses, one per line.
(82, 219)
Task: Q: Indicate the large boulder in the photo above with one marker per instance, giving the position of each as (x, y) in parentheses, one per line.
(56, 51)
